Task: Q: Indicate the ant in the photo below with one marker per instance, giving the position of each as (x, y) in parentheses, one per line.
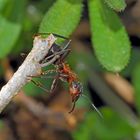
(67, 75)
(64, 72)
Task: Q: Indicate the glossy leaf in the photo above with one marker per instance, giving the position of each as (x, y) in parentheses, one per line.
(118, 5)
(111, 43)
(9, 33)
(62, 18)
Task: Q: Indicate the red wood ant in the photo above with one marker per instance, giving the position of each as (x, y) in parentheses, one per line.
(75, 87)
(64, 72)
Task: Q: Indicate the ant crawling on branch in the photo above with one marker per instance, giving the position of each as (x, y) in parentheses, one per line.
(63, 72)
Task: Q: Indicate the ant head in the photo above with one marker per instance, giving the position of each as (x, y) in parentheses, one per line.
(76, 89)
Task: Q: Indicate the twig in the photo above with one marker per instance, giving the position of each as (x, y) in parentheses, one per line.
(30, 66)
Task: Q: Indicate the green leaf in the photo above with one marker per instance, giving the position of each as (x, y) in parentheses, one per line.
(2, 4)
(136, 84)
(112, 127)
(111, 43)
(135, 57)
(118, 5)
(42, 6)
(9, 33)
(62, 18)
(32, 90)
(15, 10)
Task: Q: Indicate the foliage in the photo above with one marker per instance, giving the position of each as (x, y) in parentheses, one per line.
(7, 40)
(117, 5)
(65, 22)
(106, 30)
(106, 128)
(19, 20)
(102, 18)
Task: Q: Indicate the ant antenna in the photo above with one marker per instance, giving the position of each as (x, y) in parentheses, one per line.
(57, 35)
(99, 113)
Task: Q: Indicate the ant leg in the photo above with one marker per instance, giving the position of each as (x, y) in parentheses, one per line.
(48, 71)
(38, 84)
(66, 51)
(54, 84)
(72, 107)
(63, 77)
(42, 74)
(50, 61)
(66, 44)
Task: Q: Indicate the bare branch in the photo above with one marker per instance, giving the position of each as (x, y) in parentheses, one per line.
(30, 66)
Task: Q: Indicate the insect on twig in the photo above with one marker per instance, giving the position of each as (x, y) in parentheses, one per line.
(64, 72)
